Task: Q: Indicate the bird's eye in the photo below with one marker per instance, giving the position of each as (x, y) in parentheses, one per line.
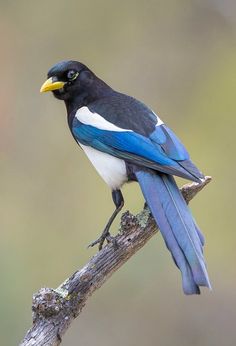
(71, 75)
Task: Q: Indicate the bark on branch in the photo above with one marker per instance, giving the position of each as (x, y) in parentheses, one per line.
(55, 309)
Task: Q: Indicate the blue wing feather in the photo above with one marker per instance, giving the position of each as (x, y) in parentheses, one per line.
(170, 143)
(136, 148)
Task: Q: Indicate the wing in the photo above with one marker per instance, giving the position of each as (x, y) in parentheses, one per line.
(174, 149)
(140, 138)
(126, 112)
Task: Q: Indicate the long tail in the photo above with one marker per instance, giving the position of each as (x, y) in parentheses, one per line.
(178, 228)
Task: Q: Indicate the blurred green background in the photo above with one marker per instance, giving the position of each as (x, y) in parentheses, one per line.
(179, 58)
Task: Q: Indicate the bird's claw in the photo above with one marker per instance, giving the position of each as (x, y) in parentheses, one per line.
(101, 240)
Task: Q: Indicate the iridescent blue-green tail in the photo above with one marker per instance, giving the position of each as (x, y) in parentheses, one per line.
(177, 226)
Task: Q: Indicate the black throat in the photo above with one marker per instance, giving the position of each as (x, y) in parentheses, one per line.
(87, 95)
(76, 102)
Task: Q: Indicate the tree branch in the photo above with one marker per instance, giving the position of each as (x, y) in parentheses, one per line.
(55, 309)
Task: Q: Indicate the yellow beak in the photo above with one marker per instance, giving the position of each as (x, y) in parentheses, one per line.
(49, 85)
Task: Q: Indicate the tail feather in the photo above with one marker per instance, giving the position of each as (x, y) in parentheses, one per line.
(179, 230)
(184, 230)
(189, 284)
(200, 235)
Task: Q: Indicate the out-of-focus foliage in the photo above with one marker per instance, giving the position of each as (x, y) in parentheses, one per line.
(179, 58)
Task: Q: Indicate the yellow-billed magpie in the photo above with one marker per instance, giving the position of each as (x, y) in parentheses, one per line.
(127, 141)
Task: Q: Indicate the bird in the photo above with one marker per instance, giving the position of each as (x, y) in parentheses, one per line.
(126, 141)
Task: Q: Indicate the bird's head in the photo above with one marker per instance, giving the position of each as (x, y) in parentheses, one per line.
(68, 79)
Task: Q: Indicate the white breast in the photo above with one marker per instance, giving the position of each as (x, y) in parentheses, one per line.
(110, 168)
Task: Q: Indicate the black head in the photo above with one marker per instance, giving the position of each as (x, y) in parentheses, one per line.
(68, 79)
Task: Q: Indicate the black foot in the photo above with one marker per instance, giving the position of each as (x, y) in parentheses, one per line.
(101, 240)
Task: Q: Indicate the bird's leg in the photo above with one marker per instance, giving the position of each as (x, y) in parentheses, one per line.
(119, 203)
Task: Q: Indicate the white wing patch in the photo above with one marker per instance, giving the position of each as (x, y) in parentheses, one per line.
(86, 117)
(159, 121)
(110, 168)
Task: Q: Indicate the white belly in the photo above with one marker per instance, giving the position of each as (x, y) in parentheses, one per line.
(110, 168)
